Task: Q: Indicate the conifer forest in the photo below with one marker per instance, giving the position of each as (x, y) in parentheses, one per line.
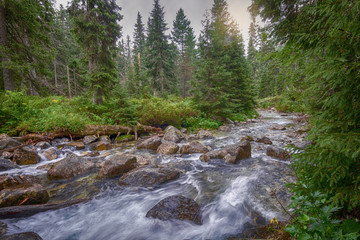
(170, 133)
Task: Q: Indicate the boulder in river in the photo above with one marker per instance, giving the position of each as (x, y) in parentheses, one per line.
(264, 140)
(277, 127)
(116, 165)
(35, 194)
(102, 146)
(277, 153)
(42, 145)
(172, 134)
(231, 154)
(176, 207)
(69, 167)
(168, 148)
(151, 143)
(7, 142)
(19, 181)
(6, 164)
(50, 154)
(193, 147)
(22, 236)
(89, 139)
(77, 145)
(225, 128)
(202, 134)
(149, 177)
(247, 138)
(26, 156)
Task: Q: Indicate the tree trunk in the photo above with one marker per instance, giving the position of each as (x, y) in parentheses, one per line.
(9, 84)
(68, 81)
(56, 82)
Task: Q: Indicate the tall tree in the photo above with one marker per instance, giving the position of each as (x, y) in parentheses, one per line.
(223, 68)
(138, 53)
(25, 46)
(183, 36)
(158, 60)
(95, 24)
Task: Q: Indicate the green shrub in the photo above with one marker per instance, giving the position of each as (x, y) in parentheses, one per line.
(195, 123)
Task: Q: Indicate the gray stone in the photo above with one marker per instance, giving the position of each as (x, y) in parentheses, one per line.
(117, 165)
(6, 164)
(172, 134)
(25, 156)
(193, 147)
(176, 207)
(168, 148)
(277, 153)
(151, 143)
(89, 139)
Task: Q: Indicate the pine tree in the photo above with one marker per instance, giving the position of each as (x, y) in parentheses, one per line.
(95, 24)
(25, 46)
(158, 55)
(183, 37)
(138, 54)
(223, 68)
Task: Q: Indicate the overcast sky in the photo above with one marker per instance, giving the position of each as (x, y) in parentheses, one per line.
(194, 10)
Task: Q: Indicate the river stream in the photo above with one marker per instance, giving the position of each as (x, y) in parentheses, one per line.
(234, 198)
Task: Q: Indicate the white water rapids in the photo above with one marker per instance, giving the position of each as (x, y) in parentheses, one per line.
(233, 198)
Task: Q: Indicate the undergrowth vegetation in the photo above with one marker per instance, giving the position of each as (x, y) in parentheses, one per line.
(21, 113)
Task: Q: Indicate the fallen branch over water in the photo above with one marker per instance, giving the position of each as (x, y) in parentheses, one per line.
(29, 210)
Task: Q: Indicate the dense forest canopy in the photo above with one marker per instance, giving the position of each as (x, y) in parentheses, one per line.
(304, 57)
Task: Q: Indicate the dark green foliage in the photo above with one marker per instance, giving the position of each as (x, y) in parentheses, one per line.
(95, 24)
(29, 49)
(159, 54)
(322, 43)
(222, 85)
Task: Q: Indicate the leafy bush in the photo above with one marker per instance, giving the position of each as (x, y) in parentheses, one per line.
(157, 111)
(195, 123)
(315, 219)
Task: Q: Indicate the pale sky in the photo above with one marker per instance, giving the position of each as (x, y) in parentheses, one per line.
(194, 10)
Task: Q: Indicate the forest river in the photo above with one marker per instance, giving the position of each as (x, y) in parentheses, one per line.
(233, 198)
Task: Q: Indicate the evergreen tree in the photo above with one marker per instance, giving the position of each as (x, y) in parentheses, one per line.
(25, 46)
(183, 37)
(95, 24)
(159, 62)
(223, 68)
(138, 54)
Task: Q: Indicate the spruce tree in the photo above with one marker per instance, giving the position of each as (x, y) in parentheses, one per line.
(25, 46)
(95, 24)
(223, 68)
(159, 62)
(183, 37)
(138, 54)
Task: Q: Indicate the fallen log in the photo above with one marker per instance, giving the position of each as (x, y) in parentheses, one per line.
(29, 210)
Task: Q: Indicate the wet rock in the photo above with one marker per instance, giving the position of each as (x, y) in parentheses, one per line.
(168, 148)
(277, 153)
(183, 130)
(172, 134)
(19, 181)
(193, 147)
(116, 165)
(3, 228)
(69, 167)
(105, 138)
(77, 145)
(50, 154)
(42, 145)
(35, 194)
(7, 155)
(176, 207)
(149, 177)
(22, 236)
(151, 143)
(202, 134)
(247, 138)
(25, 156)
(125, 138)
(277, 127)
(59, 141)
(6, 142)
(231, 154)
(264, 140)
(6, 164)
(102, 146)
(225, 128)
(89, 139)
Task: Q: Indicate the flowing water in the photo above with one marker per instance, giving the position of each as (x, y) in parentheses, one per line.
(233, 198)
